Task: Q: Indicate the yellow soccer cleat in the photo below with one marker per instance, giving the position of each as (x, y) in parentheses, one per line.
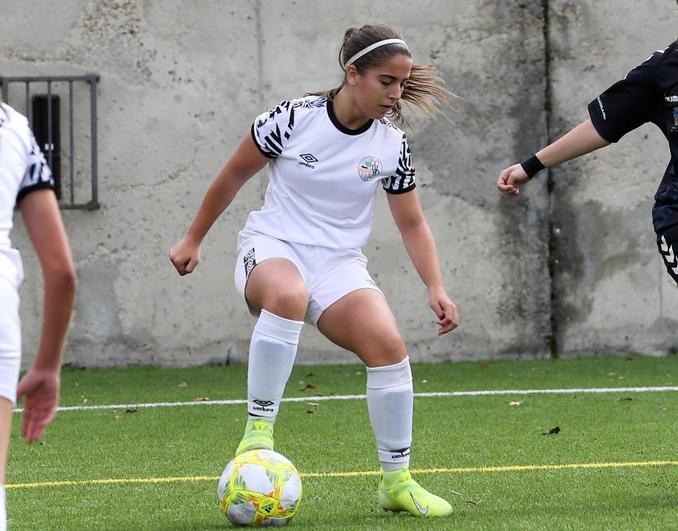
(399, 492)
(258, 436)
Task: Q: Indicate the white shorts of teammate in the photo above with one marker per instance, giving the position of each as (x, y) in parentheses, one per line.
(10, 339)
(329, 274)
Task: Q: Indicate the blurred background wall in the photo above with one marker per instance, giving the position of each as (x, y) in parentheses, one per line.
(568, 268)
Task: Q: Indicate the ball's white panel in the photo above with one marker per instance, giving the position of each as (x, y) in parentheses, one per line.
(256, 479)
(241, 514)
(291, 491)
(223, 480)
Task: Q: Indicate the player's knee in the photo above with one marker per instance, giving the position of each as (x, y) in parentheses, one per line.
(388, 349)
(289, 302)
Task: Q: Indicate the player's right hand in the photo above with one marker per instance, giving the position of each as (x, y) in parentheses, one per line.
(511, 179)
(185, 255)
(40, 391)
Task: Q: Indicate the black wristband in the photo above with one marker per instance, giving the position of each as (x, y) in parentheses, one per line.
(532, 166)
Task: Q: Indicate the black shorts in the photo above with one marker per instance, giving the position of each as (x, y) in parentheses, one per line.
(667, 243)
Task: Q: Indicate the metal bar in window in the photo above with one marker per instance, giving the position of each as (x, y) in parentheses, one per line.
(50, 140)
(71, 160)
(5, 89)
(93, 123)
(23, 79)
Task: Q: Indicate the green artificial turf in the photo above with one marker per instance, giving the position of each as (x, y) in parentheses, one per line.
(334, 436)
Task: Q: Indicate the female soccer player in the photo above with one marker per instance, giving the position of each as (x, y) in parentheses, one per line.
(26, 182)
(649, 93)
(300, 255)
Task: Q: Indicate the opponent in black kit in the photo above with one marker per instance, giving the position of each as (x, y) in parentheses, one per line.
(649, 93)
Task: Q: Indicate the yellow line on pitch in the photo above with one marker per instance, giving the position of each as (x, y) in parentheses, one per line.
(461, 470)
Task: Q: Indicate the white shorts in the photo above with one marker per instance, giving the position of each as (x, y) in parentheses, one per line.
(329, 274)
(10, 340)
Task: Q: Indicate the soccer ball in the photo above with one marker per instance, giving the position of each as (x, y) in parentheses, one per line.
(260, 488)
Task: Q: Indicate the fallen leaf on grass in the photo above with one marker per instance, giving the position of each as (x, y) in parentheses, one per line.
(117, 417)
(311, 407)
(183, 384)
(305, 386)
(308, 375)
(515, 403)
(131, 410)
(625, 399)
(201, 399)
(552, 431)
(470, 502)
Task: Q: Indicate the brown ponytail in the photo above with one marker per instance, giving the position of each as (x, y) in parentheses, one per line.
(424, 89)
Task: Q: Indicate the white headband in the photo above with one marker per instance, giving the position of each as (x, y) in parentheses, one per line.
(372, 47)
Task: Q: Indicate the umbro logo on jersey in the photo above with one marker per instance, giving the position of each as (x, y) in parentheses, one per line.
(307, 159)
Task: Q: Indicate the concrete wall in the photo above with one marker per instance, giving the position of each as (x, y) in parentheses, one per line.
(180, 85)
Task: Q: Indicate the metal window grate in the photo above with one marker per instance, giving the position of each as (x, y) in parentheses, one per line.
(80, 189)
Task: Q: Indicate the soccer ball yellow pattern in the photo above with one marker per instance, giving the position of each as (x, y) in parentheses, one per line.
(260, 488)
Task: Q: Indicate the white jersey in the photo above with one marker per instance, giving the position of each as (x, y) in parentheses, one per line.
(323, 176)
(22, 170)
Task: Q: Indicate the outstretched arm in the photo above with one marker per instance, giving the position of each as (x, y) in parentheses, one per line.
(579, 141)
(421, 247)
(40, 385)
(243, 164)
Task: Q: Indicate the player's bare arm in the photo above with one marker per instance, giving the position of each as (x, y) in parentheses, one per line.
(579, 141)
(243, 164)
(420, 245)
(40, 385)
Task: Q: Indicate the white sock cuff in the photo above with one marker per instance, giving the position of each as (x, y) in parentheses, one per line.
(389, 375)
(271, 325)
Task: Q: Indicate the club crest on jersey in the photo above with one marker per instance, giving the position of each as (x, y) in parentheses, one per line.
(369, 168)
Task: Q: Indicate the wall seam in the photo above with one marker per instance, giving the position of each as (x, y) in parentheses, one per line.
(550, 184)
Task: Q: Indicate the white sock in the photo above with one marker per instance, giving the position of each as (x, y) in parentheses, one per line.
(272, 351)
(389, 401)
(3, 510)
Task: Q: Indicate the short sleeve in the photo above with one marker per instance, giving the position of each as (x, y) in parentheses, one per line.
(627, 104)
(403, 179)
(271, 130)
(38, 176)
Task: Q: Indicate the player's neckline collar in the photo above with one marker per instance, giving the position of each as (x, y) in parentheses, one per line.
(341, 127)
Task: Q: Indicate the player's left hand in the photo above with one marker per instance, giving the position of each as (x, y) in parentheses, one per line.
(40, 390)
(445, 310)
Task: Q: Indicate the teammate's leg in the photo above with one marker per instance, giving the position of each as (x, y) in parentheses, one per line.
(276, 289)
(363, 323)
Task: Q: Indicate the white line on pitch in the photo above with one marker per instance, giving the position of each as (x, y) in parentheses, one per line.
(441, 394)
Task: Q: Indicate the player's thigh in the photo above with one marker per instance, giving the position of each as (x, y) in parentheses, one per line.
(362, 322)
(5, 429)
(276, 285)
